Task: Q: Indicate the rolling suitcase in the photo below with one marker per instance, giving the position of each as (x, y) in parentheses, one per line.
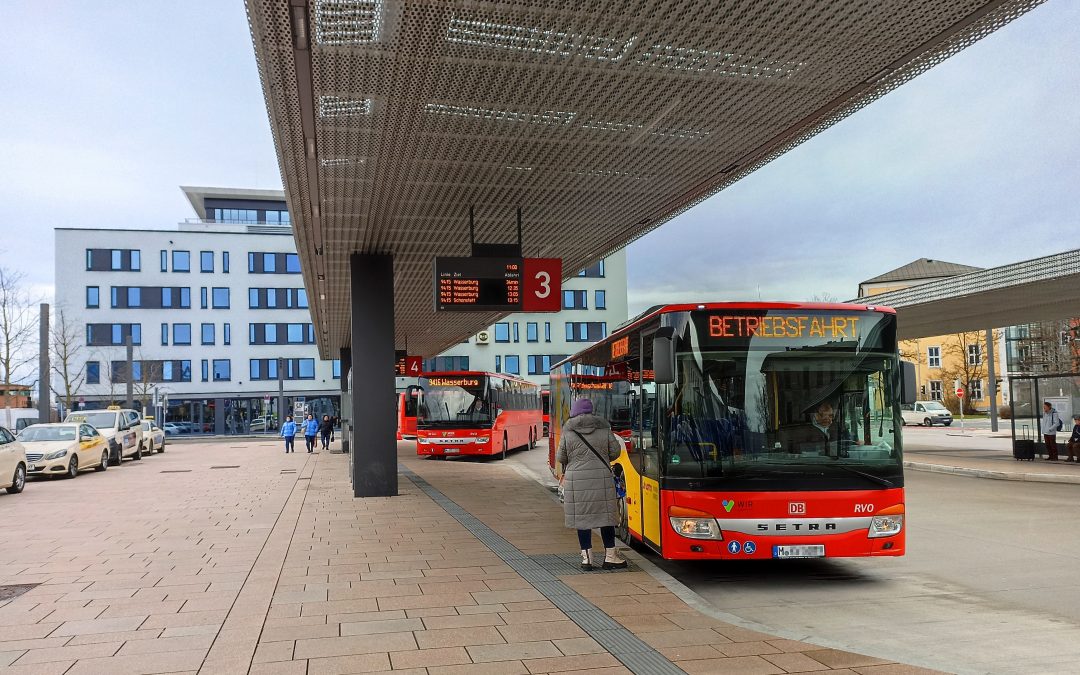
(1024, 447)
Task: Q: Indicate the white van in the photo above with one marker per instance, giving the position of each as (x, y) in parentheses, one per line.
(927, 413)
(121, 427)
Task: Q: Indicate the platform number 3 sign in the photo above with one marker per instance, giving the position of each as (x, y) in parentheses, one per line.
(542, 284)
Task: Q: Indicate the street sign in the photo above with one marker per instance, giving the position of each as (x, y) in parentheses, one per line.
(542, 285)
(478, 284)
(959, 392)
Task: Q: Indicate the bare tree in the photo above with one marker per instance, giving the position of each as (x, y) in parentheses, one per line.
(967, 365)
(67, 346)
(824, 297)
(17, 324)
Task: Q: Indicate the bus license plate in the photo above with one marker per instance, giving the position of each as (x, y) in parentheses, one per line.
(801, 551)
(451, 451)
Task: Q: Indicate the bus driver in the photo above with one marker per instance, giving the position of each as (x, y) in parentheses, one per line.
(821, 436)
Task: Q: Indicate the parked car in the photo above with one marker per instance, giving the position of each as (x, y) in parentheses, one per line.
(63, 449)
(927, 413)
(153, 437)
(172, 429)
(120, 427)
(261, 424)
(12, 463)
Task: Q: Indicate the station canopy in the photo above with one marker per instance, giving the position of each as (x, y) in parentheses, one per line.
(601, 120)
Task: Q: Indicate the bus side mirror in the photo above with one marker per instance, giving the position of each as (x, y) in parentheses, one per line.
(908, 393)
(664, 355)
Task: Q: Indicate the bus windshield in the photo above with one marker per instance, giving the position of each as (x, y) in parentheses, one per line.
(776, 414)
(454, 402)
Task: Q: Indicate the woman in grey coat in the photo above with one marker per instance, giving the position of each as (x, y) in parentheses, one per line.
(588, 490)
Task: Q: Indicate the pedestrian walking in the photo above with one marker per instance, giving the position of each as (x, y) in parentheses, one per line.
(1073, 444)
(587, 447)
(326, 430)
(1051, 424)
(288, 432)
(311, 432)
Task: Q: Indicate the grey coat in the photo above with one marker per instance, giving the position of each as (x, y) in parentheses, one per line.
(588, 490)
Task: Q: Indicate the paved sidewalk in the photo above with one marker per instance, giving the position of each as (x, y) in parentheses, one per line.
(982, 455)
(235, 558)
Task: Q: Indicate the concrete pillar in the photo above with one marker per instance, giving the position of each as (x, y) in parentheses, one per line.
(346, 399)
(219, 416)
(374, 447)
(129, 386)
(44, 368)
(991, 378)
(281, 392)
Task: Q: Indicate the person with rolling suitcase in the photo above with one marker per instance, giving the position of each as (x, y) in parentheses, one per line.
(1024, 447)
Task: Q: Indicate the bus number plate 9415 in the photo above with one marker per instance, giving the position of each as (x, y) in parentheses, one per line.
(801, 551)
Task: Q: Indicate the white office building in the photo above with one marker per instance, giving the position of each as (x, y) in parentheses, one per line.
(594, 303)
(210, 307)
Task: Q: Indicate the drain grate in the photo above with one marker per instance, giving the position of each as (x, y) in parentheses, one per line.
(14, 590)
(176, 471)
(231, 466)
(570, 563)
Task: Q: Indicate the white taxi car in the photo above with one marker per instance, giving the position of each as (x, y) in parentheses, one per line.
(153, 437)
(120, 426)
(12, 463)
(63, 449)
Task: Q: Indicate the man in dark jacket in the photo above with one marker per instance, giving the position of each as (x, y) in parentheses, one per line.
(1073, 444)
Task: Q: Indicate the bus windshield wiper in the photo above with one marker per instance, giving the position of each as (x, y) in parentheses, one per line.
(868, 476)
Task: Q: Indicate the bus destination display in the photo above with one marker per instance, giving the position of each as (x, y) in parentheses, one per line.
(478, 284)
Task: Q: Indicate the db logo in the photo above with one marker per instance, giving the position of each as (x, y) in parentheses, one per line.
(796, 508)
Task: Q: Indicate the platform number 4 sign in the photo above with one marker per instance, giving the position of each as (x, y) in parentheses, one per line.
(542, 281)
(414, 365)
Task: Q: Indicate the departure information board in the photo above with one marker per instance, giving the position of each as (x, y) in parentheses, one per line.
(478, 284)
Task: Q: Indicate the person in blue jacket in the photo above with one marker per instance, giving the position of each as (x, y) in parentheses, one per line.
(311, 431)
(288, 432)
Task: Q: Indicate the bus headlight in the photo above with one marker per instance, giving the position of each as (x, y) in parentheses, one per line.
(886, 526)
(694, 524)
(483, 439)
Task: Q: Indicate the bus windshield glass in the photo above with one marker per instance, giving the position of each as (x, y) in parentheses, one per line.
(779, 400)
(454, 401)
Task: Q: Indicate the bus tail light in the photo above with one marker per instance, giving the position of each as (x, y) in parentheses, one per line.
(694, 524)
(887, 523)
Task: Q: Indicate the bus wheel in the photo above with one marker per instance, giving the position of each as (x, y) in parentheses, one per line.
(502, 455)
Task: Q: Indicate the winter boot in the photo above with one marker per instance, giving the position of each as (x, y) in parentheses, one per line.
(586, 560)
(612, 560)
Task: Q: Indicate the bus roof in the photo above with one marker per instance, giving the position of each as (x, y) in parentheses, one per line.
(479, 373)
(657, 310)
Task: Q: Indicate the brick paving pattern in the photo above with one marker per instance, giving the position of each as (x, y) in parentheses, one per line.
(273, 567)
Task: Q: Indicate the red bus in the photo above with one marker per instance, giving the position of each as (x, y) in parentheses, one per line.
(752, 430)
(407, 404)
(545, 406)
(474, 413)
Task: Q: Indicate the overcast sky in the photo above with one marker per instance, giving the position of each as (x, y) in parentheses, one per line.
(109, 107)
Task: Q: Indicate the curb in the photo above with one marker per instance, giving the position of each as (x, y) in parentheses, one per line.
(994, 475)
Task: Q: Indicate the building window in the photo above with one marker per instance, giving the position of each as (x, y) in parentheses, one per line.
(206, 261)
(292, 263)
(517, 336)
(933, 358)
(498, 363)
(585, 331)
(93, 372)
(205, 370)
(181, 261)
(294, 369)
(208, 334)
(164, 261)
(203, 302)
(512, 363)
(181, 333)
(222, 370)
(502, 332)
(593, 271)
(164, 334)
(226, 334)
(532, 330)
(974, 355)
(115, 260)
(936, 393)
(273, 263)
(601, 299)
(93, 297)
(575, 300)
(540, 364)
(547, 331)
(221, 298)
(225, 262)
(102, 334)
(134, 296)
(277, 298)
(977, 390)
(335, 369)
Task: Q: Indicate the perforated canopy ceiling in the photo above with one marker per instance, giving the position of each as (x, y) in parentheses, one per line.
(601, 119)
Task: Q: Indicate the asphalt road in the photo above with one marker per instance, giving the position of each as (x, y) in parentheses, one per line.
(990, 584)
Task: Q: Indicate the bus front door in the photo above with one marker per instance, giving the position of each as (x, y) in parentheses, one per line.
(650, 449)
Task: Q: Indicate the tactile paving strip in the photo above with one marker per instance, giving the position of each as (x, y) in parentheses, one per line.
(541, 571)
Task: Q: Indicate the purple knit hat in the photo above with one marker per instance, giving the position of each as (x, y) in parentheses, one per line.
(582, 406)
